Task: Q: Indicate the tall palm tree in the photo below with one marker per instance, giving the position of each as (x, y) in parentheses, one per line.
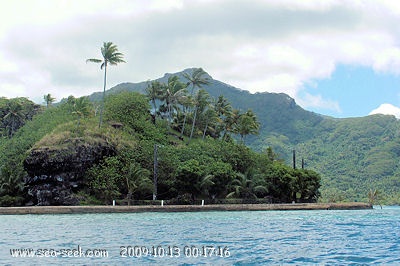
(230, 121)
(196, 79)
(111, 56)
(211, 118)
(153, 92)
(48, 99)
(186, 103)
(222, 108)
(201, 100)
(246, 124)
(174, 92)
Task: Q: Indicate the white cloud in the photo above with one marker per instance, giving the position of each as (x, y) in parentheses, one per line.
(388, 60)
(275, 46)
(387, 109)
(317, 101)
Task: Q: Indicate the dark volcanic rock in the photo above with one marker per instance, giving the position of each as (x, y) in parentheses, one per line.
(55, 172)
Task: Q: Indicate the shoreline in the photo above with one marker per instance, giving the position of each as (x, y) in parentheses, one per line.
(182, 208)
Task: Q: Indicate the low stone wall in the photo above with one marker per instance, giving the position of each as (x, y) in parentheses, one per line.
(182, 208)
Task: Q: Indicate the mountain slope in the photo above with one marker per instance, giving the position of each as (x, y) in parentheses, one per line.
(353, 155)
(277, 112)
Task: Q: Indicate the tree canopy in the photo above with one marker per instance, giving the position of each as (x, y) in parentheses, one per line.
(210, 167)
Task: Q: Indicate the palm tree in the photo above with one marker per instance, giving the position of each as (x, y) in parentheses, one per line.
(196, 79)
(81, 108)
(111, 56)
(201, 100)
(137, 178)
(186, 103)
(244, 187)
(247, 124)
(223, 109)
(173, 93)
(211, 118)
(205, 183)
(48, 99)
(14, 117)
(230, 121)
(222, 106)
(153, 92)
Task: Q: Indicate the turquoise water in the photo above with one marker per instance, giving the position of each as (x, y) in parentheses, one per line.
(210, 238)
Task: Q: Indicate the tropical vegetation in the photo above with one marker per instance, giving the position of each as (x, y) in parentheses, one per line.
(205, 162)
(186, 137)
(353, 155)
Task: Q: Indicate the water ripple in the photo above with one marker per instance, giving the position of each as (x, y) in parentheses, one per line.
(253, 238)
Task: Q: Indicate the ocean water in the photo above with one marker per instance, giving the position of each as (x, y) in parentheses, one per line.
(323, 237)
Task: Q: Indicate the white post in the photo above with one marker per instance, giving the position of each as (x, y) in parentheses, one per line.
(113, 202)
(202, 202)
(162, 202)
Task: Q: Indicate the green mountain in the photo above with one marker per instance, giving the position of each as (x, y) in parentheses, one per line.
(353, 155)
(59, 155)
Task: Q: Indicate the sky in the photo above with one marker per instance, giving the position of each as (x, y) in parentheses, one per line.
(335, 57)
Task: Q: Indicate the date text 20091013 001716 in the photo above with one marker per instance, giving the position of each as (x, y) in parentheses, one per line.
(174, 251)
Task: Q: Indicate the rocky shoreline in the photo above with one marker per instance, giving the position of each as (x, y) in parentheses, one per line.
(182, 208)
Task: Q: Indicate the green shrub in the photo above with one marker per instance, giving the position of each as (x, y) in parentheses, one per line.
(7, 201)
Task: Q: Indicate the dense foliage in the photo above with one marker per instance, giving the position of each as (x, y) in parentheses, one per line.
(14, 113)
(353, 155)
(198, 127)
(13, 150)
(201, 162)
(360, 154)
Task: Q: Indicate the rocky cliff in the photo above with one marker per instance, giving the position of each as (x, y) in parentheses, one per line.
(55, 172)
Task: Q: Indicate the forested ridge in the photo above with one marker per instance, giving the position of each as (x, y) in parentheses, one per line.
(174, 142)
(353, 155)
(198, 144)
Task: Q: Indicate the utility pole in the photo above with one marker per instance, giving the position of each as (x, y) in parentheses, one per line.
(294, 159)
(155, 177)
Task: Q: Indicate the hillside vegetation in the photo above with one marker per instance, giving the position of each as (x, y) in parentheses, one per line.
(353, 155)
(212, 141)
(61, 156)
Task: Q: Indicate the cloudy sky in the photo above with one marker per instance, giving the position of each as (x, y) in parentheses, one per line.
(335, 57)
